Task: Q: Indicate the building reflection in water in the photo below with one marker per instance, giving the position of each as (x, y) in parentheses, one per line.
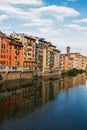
(50, 90)
(69, 82)
(29, 96)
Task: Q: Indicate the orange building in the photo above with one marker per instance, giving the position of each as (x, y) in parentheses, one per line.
(29, 44)
(15, 52)
(4, 55)
(11, 52)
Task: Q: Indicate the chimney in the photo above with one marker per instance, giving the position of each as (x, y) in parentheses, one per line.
(68, 50)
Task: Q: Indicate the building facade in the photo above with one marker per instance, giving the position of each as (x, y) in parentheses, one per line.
(29, 44)
(11, 52)
(73, 60)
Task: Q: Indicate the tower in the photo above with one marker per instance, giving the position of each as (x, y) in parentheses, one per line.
(68, 50)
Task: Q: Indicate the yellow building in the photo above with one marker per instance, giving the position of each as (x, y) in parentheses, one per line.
(51, 57)
(73, 60)
(56, 59)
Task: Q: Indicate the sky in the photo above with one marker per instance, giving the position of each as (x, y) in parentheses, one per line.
(62, 22)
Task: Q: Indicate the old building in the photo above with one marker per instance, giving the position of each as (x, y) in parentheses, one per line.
(15, 52)
(57, 59)
(51, 57)
(4, 54)
(73, 60)
(11, 52)
(39, 54)
(29, 50)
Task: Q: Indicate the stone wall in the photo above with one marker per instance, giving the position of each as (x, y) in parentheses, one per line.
(15, 75)
(25, 75)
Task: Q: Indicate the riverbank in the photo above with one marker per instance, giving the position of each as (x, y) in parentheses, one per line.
(16, 84)
(26, 75)
(73, 72)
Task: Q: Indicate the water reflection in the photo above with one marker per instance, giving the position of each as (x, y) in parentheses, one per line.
(69, 82)
(22, 97)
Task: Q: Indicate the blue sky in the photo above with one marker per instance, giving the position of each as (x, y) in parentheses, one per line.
(62, 22)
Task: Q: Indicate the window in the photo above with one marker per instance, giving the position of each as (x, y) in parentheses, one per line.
(1, 45)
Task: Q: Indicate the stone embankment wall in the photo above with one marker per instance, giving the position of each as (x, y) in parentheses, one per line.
(56, 73)
(24, 75)
(15, 75)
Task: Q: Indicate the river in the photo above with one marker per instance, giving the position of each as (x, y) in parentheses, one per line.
(47, 104)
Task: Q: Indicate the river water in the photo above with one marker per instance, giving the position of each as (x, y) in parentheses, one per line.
(47, 104)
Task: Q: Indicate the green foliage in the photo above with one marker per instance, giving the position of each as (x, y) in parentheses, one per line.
(73, 72)
(36, 77)
(20, 42)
